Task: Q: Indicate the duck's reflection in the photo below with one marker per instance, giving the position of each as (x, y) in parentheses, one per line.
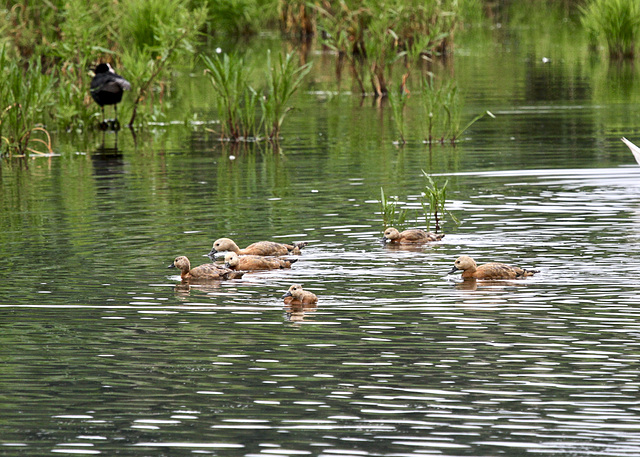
(295, 311)
(474, 284)
(204, 286)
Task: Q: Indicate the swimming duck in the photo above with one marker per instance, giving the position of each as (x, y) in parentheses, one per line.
(206, 271)
(634, 149)
(296, 295)
(259, 248)
(411, 236)
(107, 87)
(491, 270)
(255, 262)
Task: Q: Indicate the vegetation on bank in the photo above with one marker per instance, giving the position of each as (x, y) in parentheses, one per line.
(386, 49)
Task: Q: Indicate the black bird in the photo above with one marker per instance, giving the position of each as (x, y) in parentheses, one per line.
(107, 87)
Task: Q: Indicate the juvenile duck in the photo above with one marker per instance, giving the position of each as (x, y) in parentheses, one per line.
(255, 262)
(259, 248)
(107, 87)
(207, 271)
(491, 270)
(411, 236)
(296, 295)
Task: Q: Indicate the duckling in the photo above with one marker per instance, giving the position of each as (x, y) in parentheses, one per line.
(296, 295)
(255, 262)
(107, 87)
(206, 271)
(411, 236)
(491, 270)
(635, 150)
(259, 248)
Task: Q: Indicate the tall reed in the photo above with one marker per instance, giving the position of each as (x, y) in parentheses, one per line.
(237, 100)
(282, 80)
(372, 35)
(614, 22)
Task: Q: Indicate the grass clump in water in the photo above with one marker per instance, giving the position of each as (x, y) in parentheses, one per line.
(434, 203)
(614, 22)
(237, 100)
(442, 111)
(392, 216)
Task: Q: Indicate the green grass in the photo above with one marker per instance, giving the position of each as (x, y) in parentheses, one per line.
(392, 215)
(434, 203)
(25, 95)
(615, 23)
(237, 100)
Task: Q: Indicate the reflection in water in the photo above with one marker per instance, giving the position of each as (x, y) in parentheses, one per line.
(295, 311)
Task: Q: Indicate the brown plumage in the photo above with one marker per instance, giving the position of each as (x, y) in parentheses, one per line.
(491, 270)
(297, 296)
(259, 248)
(255, 262)
(206, 271)
(411, 236)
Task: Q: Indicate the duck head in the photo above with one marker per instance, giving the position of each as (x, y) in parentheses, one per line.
(462, 263)
(390, 234)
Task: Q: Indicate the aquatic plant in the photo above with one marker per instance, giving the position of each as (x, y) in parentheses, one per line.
(237, 100)
(392, 216)
(615, 22)
(442, 111)
(282, 80)
(25, 97)
(398, 102)
(434, 203)
(371, 35)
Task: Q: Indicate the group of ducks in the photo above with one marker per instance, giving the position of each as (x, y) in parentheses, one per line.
(268, 255)
(470, 270)
(263, 255)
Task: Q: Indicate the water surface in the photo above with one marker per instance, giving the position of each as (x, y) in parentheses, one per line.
(104, 351)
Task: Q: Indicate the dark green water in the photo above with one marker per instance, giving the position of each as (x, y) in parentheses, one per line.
(104, 351)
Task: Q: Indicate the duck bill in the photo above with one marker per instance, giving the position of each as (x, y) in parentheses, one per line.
(384, 239)
(228, 266)
(288, 294)
(173, 265)
(212, 254)
(453, 270)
